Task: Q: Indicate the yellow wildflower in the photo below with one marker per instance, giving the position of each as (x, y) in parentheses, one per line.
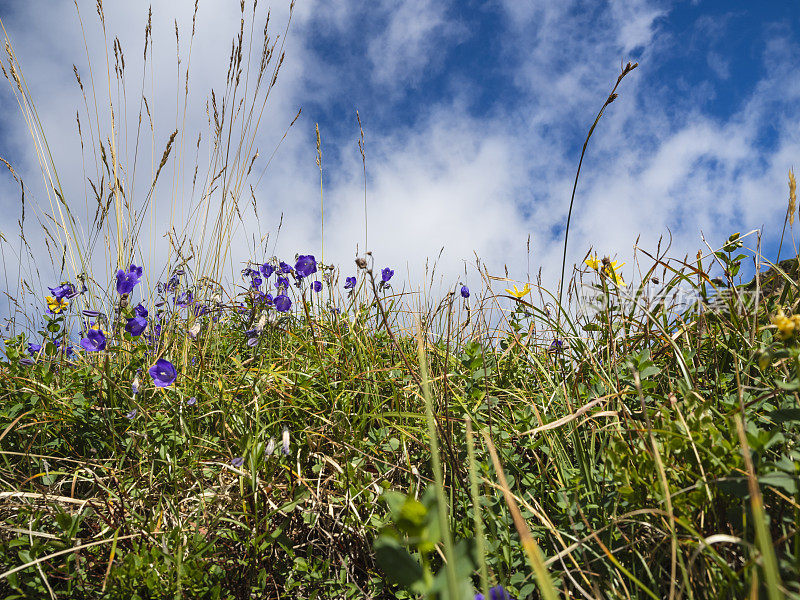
(593, 263)
(787, 326)
(56, 306)
(606, 267)
(519, 293)
(611, 269)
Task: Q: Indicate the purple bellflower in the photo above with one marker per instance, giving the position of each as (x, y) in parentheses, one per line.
(185, 299)
(464, 291)
(65, 290)
(163, 373)
(127, 281)
(350, 283)
(306, 265)
(317, 286)
(386, 275)
(496, 593)
(136, 325)
(282, 303)
(94, 341)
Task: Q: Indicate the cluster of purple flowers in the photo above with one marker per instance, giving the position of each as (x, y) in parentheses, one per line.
(305, 266)
(163, 372)
(35, 350)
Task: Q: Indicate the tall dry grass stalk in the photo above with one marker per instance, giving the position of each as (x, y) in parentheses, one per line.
(206, 202)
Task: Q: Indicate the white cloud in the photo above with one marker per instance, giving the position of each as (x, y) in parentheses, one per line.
(407, 46)
(444, 176)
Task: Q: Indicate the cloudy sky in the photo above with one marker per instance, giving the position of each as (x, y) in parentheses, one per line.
(473, 111)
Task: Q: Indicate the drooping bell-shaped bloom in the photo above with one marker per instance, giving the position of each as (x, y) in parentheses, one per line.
(238, 461)
(256, 282)
(317, 286)
(94, 341)
(65, 290)
(163, 373)
(34, 349)
(464, 291)
(282, 303)
(350, 283)
(282, 282)
(185, 299)
(141, 311)
(136, 325)
(306, 265)
(284, 268)
(127, 281)
(267, 270)
(386, 274)
(285, 442)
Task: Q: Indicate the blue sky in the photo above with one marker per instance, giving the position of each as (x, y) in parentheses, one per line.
(474, 113)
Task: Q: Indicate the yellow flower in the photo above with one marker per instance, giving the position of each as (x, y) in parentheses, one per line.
(519, 293)
(611, 269)
(606, 267)
(787, 326)
(56, 306)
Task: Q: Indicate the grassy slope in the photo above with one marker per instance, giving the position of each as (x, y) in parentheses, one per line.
(622, 451)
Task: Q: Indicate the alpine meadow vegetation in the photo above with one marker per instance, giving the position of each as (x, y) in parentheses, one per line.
(173, 426)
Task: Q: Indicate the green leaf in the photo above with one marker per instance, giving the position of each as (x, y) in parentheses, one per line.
(780, 480)
(396, 562)
(790, 386)
(785, 415)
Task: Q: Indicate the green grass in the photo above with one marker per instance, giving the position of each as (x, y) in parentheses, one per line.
(436, 447)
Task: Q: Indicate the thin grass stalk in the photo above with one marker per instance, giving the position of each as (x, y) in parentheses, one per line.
(321, 202)
(611, 97)
(436, 465)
